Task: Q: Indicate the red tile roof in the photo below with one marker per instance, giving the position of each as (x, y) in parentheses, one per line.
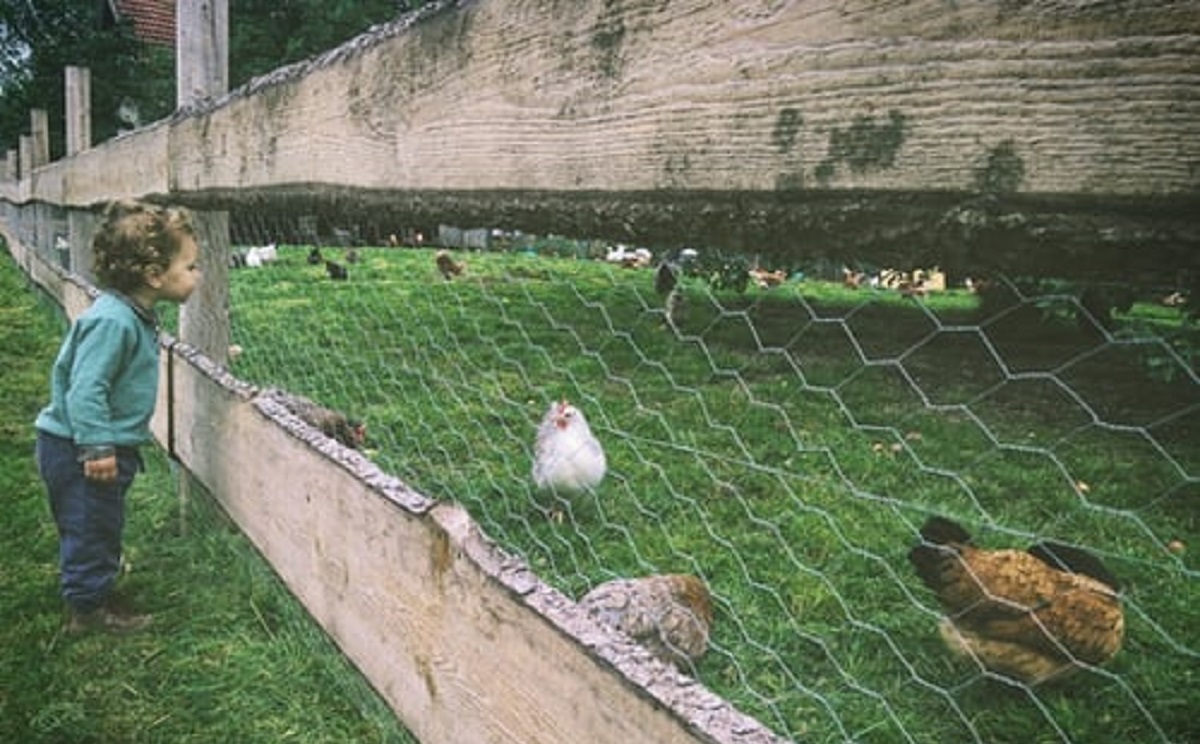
(153, 20)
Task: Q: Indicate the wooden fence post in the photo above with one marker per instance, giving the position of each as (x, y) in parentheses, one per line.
(202, 63)
(39, 126)
(202, 73)
(201, 50)
(25, 158)
(81, 226)
(79, 109)
(204, 319)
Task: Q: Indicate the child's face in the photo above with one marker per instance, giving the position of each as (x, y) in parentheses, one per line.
(181, 277)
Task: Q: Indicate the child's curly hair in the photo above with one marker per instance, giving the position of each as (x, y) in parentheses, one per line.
(135, 238)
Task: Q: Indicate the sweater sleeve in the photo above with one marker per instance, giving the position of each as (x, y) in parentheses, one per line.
(100, 349)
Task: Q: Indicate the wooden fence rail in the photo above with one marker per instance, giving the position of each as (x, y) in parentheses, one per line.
(982, 135)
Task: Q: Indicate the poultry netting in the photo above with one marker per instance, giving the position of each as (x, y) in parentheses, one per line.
(928, 508)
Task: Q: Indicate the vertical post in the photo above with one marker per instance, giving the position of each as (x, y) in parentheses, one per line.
(79, 109)
(14, 164)
(202, 64)
(39, 125)
(202, 73)
(204, 320)
(201, 50)
(25, 159)
(81, 226)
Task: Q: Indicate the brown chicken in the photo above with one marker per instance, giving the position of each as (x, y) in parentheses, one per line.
(331, 423)
(767, 279)
(670, 615)
(1031, 615)
(448, 266)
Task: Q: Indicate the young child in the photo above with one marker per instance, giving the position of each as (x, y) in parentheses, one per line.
(103, 389)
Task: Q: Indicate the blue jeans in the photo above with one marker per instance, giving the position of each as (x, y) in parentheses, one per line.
(90, 518)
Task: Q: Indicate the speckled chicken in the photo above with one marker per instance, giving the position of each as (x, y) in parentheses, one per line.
(1031, 615)
(333, 424)
(671, 615)
(567, 456)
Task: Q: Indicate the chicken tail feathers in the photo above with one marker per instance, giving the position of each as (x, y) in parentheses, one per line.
(942, 531)
(1074, 560)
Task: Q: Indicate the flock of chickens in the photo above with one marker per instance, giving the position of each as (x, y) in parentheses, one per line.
(1030, 615)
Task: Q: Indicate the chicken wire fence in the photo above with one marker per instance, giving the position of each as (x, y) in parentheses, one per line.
(784, 440)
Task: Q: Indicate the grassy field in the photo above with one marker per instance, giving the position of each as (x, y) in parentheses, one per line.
(785, 444)
(231, 657)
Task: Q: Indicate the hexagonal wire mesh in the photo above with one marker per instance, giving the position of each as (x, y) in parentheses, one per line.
(785, 442)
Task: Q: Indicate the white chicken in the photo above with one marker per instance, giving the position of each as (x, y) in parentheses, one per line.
(261, 255)
(567, 456)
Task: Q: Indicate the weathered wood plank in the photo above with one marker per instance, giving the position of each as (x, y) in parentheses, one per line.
(857, 130)
(412, 591)
(416, 596)
(530, 95)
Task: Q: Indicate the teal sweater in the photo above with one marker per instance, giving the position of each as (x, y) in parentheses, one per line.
(105, 380)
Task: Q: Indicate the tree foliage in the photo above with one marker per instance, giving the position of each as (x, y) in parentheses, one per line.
(266, 34)
(39, 39)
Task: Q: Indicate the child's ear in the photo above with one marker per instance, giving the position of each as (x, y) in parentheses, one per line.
(153, 278)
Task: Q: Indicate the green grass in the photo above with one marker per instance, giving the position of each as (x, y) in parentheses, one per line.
(785, 444)
(232, 657)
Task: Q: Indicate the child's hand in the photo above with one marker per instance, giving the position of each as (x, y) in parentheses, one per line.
(103, 470)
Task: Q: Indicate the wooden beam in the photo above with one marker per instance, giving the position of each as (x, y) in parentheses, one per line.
(1021, 140)
(201, 51)
(79, 109)
(39, 126)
